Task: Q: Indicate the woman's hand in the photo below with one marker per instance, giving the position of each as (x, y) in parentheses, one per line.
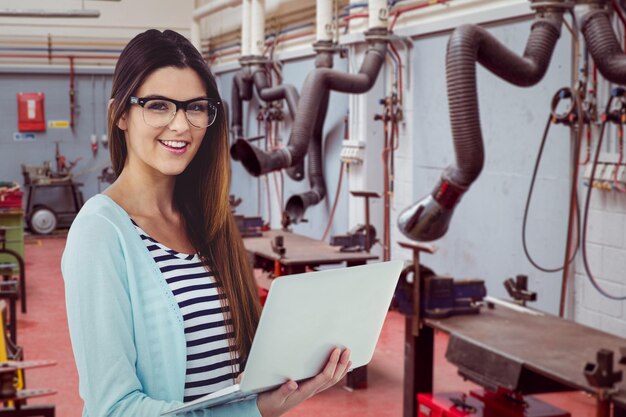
(274, 403)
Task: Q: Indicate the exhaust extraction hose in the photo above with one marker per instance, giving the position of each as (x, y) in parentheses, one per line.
(428, 219)
(317, 84)
(241, 91)
(604, 46)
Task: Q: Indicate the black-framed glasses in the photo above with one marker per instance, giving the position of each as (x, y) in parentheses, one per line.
(160, 111)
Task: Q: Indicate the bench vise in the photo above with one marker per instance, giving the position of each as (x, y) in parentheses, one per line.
(359, 239)
(440, 296)
(444, 296)
(249, 226)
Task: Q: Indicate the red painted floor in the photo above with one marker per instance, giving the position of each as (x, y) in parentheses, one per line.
(44, 335)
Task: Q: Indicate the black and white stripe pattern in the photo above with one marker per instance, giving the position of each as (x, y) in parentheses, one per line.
(209, 360)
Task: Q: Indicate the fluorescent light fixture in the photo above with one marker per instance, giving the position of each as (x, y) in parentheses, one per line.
(48, 13)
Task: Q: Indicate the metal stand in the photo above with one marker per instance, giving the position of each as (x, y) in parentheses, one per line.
(418, 341)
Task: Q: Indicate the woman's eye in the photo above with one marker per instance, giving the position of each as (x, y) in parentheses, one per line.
(199, 107)
(157, 105)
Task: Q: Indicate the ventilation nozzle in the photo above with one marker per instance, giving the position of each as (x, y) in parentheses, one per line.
(428, 219)
(258, 162)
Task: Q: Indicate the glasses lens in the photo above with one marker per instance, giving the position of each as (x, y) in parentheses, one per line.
(201, 113)
(158, 113)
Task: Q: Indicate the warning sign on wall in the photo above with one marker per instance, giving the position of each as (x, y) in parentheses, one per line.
(30, 112)
(59, 124)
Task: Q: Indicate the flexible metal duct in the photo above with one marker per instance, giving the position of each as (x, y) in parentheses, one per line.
(243, 81)
(241, 91)
(602, 43)
(298, 204)
(319, 82)
(428, 219)
(284, 91)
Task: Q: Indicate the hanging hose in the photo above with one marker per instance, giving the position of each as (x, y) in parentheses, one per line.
(298, 204)
(429, 218)
(617, 92)
(603, 44)
(318, 83)
(241, 91)
(574, 109)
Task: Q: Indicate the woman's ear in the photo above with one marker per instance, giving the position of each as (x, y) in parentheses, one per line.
(121, 123)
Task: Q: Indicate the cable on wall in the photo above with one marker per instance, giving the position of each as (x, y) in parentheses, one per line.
(573, 114)
(615, 93)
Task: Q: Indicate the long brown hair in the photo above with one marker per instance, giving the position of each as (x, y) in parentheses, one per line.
(201, 191)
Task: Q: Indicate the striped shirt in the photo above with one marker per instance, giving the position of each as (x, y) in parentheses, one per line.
(209, 359)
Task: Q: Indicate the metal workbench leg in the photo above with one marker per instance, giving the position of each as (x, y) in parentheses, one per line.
(618, 411)
(418, 365)
(357, 378)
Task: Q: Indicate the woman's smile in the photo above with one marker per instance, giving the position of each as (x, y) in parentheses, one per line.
(176, 147)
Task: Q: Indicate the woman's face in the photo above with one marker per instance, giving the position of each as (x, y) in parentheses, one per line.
(166, 150)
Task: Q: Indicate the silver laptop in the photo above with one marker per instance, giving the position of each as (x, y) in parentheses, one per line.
(304, 318)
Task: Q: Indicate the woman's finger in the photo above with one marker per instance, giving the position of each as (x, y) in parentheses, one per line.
(342, 366)
(329, 370)
(273, 401)
(316, 384)
(340, 371)
(286, 390)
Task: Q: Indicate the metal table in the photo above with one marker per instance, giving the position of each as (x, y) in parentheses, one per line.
(303, 252)
(542, 352)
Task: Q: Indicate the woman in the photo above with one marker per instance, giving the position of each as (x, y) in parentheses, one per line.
(161, 303)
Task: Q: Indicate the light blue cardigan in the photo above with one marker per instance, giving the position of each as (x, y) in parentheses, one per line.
(126, 328)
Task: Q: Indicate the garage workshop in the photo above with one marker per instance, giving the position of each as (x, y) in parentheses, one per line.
(245, 208)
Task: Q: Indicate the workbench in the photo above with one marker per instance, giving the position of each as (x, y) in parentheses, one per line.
(301, 253)
(529, 351)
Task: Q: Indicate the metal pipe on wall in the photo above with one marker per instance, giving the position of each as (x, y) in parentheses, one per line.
(377, 14)
(324, 20)
(245, 27)
(242, 81)
(257, 28)
(429, 218)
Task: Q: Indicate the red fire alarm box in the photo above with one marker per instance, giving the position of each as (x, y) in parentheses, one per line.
(30, 113)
